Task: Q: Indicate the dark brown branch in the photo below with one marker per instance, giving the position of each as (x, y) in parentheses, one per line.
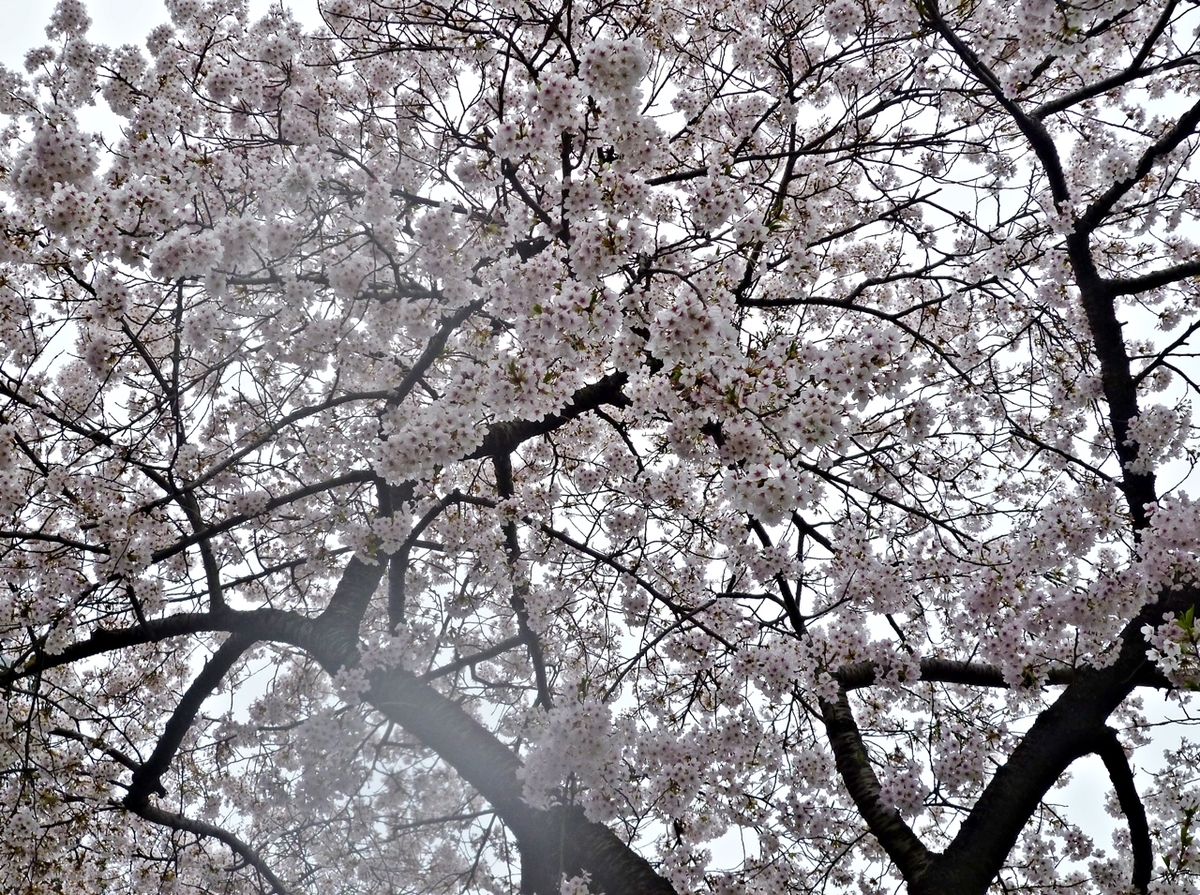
(1121, 774)
(487, 764)
(275, 428)
(398, 563)
(1062, 733)
(211, 831)
(8, 534)
(414, 199)
(909, 854)
(434, 821)
(790, 605)
(569, 844)
(976, 674)
(356, 477)
(551, 842)
(510, 174)
(1184, 127)
(1034, 131)
(433, 350)
(351, 597)
(147, 778)
(1133, 72)
(502, 464)
(1116, 376)
(472, 660)
(1161, 357)
(506, 437)
(391, 501)
(105, 640)
(212, 570)
(262, 624)
(1156, 279)
(437, 721)
(96, 743)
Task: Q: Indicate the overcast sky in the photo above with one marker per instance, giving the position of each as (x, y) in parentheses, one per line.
(114, 22)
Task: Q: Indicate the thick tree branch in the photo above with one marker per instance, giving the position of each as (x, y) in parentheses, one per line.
(147, 778)
(1156, 279)
(488, 765)
(976, 674)
(1034, 131)
(569, 844)
(344, 614)
(1120, 773)
(438, 722)
(97, 743)
(1131, 73)
(356, 477)
(1062, 733)
(106, 640)
(261, 624)
(1120, 389)
(550, 841)
(474, 659)
(502, 464)
(1185, 126)
(854, 767)
(506, 437)
(392, 499)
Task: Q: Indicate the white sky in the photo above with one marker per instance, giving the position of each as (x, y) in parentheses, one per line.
(114, 22)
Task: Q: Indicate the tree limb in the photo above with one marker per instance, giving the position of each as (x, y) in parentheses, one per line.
(1065, 731)
(854, 767)
(1120, 773)
(502, 464)
(344, 614)
(201, 828)
(1035, 132)
(487, 764)
(505, 437)
(1131, 73)
(474, 659)
(1156, 279)
(1184, 127)
(147, 778)
(975, 674)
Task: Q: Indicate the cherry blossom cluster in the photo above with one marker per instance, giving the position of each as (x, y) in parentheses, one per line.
(58, 154)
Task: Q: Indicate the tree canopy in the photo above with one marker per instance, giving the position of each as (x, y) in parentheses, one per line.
(600, 445)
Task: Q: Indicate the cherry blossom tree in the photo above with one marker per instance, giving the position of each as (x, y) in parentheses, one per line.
(627, 447)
